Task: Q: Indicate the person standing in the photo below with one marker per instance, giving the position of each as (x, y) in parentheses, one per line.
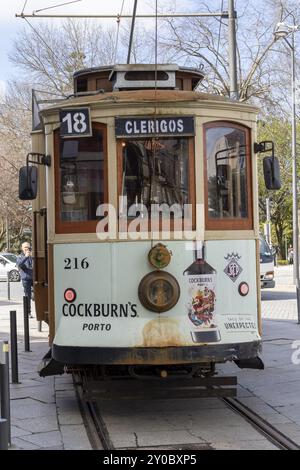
(24, 263)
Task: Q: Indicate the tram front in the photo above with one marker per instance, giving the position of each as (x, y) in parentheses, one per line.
(150, 256)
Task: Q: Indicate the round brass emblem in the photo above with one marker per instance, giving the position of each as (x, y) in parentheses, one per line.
(159, 256)
(159, 291)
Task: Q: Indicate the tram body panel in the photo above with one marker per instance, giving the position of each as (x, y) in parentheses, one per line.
(107, 312)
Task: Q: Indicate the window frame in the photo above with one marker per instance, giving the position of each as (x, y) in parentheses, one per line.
(230, 223)
(83, 226)
(191, 177)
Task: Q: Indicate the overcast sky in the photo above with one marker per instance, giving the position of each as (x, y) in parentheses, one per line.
(9, 25)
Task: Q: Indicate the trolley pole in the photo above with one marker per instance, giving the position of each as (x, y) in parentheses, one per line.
(234, 93)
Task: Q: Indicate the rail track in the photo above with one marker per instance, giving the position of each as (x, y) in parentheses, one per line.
(268, 430)
(100, 438)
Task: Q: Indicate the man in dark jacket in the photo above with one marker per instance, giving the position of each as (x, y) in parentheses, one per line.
(24, 263)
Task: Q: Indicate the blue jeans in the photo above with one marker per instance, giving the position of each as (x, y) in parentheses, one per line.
(27, 286)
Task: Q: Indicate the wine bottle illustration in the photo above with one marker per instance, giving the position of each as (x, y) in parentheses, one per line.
(201, 302)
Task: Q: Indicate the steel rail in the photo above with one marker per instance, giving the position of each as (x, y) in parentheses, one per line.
(95, 426)
(268, 430)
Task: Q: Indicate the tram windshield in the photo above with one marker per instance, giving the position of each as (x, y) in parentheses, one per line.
(227, 172)
(155, 171)
(81, 177)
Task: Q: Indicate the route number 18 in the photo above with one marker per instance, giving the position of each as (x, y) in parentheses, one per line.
(75, 122)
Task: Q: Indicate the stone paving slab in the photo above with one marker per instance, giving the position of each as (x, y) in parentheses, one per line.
(44, 411)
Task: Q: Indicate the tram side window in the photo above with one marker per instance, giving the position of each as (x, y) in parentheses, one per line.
(226, 165)
(81, 177)
(155, 171)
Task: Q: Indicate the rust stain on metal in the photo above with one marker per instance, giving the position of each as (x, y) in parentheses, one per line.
(162, 332)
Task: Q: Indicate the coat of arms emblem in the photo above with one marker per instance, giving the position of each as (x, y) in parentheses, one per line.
(233, 269)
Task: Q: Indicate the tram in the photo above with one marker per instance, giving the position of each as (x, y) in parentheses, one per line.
(145, 230)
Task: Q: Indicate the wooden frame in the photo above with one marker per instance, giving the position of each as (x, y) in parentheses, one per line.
(191, 179)
(230, 223)
(85, 226)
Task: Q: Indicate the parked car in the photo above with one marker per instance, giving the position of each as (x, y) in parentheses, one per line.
(8, 267)
(266, 264)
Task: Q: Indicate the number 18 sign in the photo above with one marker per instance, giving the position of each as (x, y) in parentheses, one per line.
(75, 122)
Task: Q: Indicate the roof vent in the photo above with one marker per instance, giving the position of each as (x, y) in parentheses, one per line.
(128, 77)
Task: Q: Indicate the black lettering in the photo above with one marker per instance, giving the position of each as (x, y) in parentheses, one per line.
(105, 313)
(63, 309)
(133, 311)
(88, 312)
(114, 310)
(97, 312)
(124, 310)
(72, 310)
(78, 310)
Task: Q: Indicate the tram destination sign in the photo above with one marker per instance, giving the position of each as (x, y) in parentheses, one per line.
(75, 122)
(154, 127)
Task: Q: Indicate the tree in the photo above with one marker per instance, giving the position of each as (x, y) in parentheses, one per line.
(281, 201)
(52, 53)
(262, 67)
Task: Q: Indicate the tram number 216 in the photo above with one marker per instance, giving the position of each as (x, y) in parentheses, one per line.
(76, 263)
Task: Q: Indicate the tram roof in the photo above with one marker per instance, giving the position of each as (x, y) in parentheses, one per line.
(150, 96)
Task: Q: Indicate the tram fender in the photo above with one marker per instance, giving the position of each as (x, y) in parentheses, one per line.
(251, 363)
(49, 366)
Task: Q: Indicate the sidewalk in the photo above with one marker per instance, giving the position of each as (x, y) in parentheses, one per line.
(44, 411)
(274, 392)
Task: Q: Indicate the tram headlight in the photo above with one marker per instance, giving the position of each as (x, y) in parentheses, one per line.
(159, 291)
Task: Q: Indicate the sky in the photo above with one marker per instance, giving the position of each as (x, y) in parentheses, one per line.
(10, 25)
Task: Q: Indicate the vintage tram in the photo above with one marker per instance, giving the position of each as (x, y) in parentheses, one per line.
(146, 236)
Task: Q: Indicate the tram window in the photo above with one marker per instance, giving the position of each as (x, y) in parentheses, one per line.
(81, 178)
(156, 171)
(227, 167)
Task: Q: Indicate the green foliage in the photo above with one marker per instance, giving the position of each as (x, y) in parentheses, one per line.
(279, 131)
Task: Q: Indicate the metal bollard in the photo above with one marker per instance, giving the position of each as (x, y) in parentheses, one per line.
(26, 324)
(8, 287)
(3, 434)
(4, 384)
(40, 326)
(14, 347)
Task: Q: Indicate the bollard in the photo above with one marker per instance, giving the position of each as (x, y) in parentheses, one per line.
(26, 323)
(40, 326)
(4, 384)
(8, 287)
(3, 434)
(14, 347)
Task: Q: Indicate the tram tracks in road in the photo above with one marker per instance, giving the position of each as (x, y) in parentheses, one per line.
(275, 436)
(100, 437)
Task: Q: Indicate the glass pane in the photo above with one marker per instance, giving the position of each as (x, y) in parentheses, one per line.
(226, 173)
(81, 177)
(155, 171)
